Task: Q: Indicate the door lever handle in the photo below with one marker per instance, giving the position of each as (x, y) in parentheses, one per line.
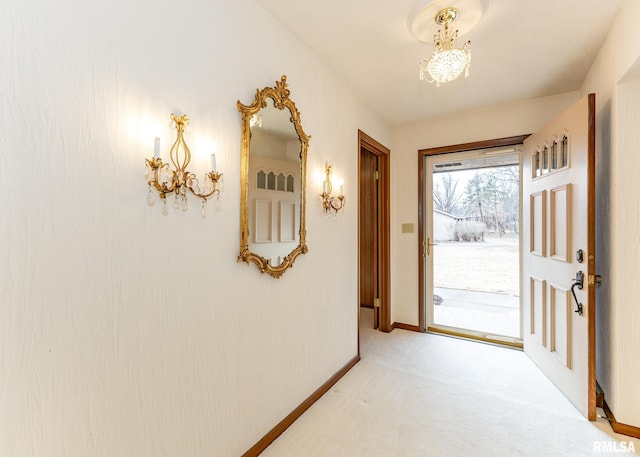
(429, 244)
(579, 283)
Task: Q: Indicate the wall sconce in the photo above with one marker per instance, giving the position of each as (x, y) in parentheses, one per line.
(330, 203)
(180, 179)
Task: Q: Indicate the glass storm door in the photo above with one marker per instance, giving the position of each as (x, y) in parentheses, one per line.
(472, 247)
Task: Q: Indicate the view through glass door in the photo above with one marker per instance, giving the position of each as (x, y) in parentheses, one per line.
(472, 248)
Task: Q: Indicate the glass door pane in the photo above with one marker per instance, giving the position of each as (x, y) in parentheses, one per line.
(475, 243)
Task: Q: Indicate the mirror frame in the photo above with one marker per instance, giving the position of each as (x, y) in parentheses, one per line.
(280, 96)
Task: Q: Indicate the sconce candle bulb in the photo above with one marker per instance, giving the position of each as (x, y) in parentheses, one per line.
(156, 148)
(179, 180)
(331, 203)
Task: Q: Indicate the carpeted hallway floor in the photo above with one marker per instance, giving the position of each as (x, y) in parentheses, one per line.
(417, 395)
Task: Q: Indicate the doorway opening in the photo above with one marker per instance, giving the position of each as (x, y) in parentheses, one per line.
(470, 241)
(374, 230)
(473, 242)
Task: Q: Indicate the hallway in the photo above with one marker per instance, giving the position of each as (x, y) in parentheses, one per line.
(416, 394)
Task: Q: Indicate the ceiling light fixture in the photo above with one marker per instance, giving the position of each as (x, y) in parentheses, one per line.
(447, 62)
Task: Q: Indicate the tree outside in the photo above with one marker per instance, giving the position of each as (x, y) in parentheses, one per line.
(487, 196)
(476, 274)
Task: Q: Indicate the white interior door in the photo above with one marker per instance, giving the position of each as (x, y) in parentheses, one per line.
(558, 176)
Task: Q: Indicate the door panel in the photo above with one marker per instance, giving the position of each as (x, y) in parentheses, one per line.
(368, 237)
(559, 204)
(561, 314)
(538, 222)
(538, 310)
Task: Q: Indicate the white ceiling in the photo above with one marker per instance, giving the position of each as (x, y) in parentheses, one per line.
(521, 49)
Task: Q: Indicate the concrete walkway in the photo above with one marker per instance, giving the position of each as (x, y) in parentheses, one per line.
(495, 314)
(471, 299)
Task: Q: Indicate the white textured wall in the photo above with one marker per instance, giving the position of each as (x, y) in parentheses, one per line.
(124, 332)
(614, 78)
(517, 119)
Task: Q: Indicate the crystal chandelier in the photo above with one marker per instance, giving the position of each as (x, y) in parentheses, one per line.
(447, 62)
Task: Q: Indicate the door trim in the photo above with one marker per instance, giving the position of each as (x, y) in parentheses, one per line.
(384, 224)
(591, 261)
(422, 153)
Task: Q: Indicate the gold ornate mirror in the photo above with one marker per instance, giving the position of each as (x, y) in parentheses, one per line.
(272, 181)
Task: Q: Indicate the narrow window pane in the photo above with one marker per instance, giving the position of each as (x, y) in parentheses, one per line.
(261, 180)
(536, 164)
(554, 156)
(289, 183)
(564, 146)
(271, 181)
(545, 160)
(281, 182)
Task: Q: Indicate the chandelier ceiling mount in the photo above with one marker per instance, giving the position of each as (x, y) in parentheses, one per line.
(446, 16)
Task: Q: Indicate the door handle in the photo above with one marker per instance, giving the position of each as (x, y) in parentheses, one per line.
(429, 244)
(579, 283)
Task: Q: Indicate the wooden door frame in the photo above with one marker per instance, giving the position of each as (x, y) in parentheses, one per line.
(422, 153)
(384, 224)
(591, 261)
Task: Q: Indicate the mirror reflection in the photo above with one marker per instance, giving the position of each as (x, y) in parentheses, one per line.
(273, 164)
(274, 185)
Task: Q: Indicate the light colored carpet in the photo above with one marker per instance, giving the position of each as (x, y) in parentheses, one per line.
(419, 395)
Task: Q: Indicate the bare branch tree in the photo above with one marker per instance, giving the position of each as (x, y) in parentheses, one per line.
(445, 195)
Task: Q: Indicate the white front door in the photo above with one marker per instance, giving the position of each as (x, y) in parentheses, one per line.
(558, 214)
